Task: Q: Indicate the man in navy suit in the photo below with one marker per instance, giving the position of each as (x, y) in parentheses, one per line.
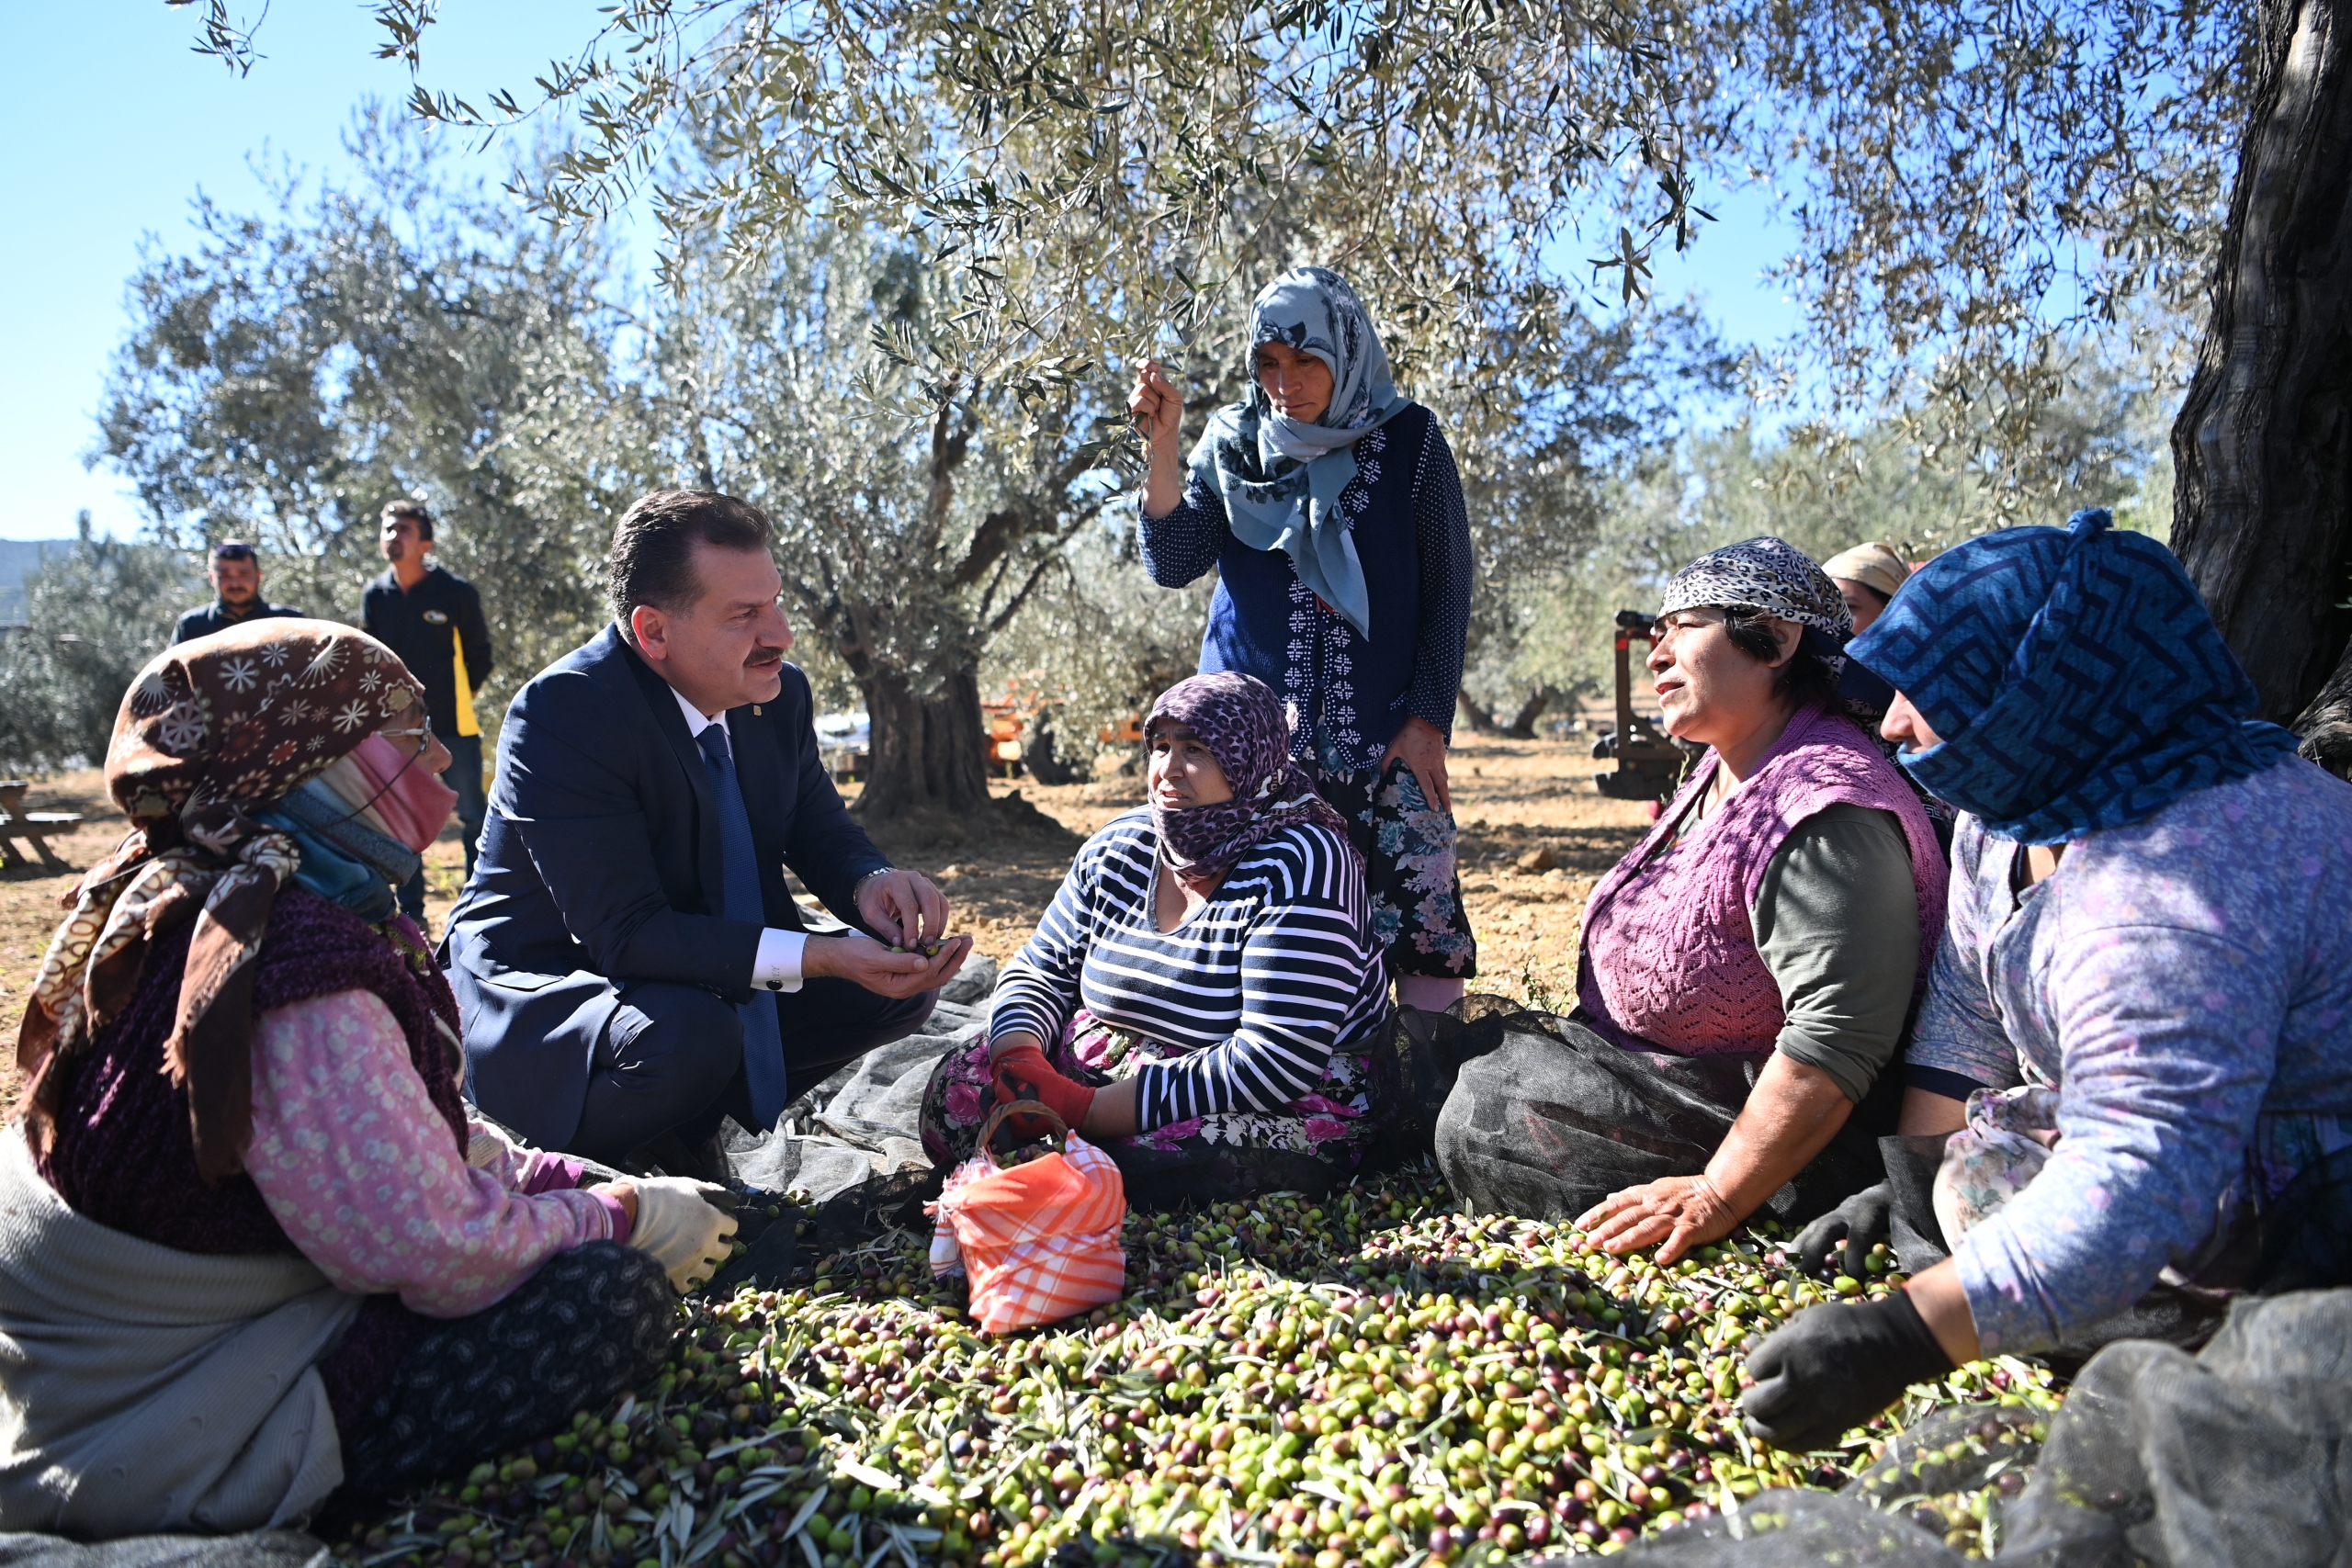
(629, 964)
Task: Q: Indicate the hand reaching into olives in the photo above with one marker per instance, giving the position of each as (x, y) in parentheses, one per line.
(1680, 1212)
(1834, 1367)
(1860, 1223)
(1022, 1072)
(678, 1226)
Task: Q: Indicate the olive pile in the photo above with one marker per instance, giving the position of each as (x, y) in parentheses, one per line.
(1948, 1473)
(1363, 1380)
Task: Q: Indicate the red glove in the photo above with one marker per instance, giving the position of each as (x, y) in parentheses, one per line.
(1023, 1073)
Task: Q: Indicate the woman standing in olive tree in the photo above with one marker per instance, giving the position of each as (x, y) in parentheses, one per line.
(1332, 510)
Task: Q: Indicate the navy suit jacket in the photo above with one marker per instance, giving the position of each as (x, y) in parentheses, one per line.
(600, 865)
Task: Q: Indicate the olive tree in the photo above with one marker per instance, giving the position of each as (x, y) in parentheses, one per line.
(392, 335)
(94, 616)
(1100, 186)
(906, 546)
(1972, 188)
(1974, 182)
(2264, 496)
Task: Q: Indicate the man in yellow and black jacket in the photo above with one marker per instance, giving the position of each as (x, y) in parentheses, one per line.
(433, 619)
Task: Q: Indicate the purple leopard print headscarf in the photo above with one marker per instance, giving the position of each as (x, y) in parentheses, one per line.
(1244, 728)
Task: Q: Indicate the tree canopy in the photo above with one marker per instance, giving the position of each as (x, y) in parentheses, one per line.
(1985, 199)
(94, 616)
(396, 333)
(1970, 185)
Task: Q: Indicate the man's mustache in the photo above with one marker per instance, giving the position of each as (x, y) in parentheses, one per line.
(762, 657)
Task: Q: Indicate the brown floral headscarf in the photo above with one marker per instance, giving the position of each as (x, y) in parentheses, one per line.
(210, 731)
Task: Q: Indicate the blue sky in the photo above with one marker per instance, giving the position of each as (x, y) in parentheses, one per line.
(112, 125)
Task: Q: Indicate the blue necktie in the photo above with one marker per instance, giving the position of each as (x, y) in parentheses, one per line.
(764, 1071)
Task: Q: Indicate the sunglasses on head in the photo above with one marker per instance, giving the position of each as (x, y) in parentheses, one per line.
(232, 550)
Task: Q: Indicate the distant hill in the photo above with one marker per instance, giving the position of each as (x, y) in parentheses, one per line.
(19, 559)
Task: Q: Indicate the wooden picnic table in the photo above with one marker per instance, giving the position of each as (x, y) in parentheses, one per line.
(33, 827)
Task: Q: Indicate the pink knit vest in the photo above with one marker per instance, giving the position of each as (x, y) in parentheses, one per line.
(1669, 960)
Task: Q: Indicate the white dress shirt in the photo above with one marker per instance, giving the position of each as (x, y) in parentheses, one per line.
(776, 965)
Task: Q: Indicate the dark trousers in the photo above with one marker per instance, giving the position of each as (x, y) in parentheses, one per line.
(672, 1056)
(464, 775)
(592, 1322)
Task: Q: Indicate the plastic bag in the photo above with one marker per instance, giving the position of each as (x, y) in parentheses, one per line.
(1039, 1242)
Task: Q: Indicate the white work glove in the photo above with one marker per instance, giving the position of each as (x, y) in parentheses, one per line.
(679, 1228)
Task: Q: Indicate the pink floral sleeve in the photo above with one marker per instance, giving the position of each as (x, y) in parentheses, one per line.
(362, 1171)
(518, 1167)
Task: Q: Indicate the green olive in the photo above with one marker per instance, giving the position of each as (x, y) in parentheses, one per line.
(1477, 1388)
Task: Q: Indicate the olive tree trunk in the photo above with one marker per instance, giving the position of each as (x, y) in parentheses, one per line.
(928, 755)
(2262, 447)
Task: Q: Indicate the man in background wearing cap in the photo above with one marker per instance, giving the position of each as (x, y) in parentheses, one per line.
(236, 582)
(1867, 577)
(433, 619)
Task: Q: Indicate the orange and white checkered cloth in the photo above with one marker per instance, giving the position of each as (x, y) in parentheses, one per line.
(1039, 1241)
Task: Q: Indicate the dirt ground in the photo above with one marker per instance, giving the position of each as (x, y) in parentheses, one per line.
(1513, 800)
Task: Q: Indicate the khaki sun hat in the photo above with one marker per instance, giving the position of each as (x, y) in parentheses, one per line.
(1872, 565)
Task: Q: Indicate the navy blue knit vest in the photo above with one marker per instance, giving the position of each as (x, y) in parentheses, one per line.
(1347, 693)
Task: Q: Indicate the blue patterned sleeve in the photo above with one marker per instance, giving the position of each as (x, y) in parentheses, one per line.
(1179, 548)
(1441, 525)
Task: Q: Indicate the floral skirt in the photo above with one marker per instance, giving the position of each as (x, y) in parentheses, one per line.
(1407, 847)
(2008, 1139)
(1309, 1145)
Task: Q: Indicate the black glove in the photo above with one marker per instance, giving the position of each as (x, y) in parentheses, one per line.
(1836, 1365)
(1862, 1221)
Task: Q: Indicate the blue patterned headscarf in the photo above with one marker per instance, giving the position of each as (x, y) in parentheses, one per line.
(2075, 677)
(1281, 478)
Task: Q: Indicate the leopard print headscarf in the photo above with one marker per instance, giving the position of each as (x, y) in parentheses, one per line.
(1763, 574)
(211, 731)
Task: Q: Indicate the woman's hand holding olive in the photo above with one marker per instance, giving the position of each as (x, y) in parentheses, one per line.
(1682, 1212)
(1158, 408)
(1423, 749)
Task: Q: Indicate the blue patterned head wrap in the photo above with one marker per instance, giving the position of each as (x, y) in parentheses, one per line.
(2075, 677)
(1281, 478)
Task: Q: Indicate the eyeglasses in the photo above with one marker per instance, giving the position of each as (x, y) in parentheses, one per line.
(425, 732)
(422, 735)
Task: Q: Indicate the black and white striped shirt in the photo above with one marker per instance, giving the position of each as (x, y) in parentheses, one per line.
(1275, 970)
